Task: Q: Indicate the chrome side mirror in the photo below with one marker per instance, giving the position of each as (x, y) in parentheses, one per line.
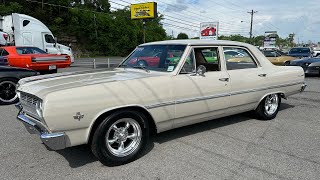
(201, 70)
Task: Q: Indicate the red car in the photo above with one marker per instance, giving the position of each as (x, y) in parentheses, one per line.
(34, 58)
(209, 31)
(149, 61)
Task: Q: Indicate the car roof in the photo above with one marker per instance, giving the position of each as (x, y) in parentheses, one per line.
(195, 42)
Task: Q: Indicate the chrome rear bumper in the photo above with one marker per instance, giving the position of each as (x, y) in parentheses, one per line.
(54, 141)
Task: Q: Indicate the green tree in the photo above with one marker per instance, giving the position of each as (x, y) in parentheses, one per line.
(182, 36)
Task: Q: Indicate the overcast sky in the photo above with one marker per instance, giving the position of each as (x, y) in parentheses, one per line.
(301, 17)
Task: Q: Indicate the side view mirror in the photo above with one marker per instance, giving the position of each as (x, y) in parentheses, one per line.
(201, 70)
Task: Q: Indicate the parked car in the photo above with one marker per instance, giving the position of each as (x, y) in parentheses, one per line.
(114, 111)
(9, 76)
(311, 66)
(316, 53)
(233, 53)
(35, 59)
(300, 52)
(276, 58)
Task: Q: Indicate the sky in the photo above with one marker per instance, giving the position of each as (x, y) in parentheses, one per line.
(300, 17)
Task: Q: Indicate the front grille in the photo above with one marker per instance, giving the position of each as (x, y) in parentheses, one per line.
(29, 104)
(28, 100)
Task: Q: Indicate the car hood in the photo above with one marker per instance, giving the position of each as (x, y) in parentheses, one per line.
(45, 84)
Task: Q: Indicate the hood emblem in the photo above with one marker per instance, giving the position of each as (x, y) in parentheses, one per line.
(78, 116)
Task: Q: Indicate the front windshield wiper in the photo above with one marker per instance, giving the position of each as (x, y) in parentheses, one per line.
(142, 67)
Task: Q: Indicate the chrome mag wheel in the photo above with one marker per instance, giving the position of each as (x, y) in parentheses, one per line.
(8, 91)
(271, 104)
(123, 137)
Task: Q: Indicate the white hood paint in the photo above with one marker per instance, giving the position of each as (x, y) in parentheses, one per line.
(42, 85)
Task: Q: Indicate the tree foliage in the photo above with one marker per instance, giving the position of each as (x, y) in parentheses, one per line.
(182, 36)
(90, 27)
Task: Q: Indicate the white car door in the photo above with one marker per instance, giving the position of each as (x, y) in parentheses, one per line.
(198, 98)
(248, 80)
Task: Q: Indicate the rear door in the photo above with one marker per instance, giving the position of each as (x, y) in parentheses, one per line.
(247, 78)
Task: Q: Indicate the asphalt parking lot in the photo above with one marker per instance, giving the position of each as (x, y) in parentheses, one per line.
(236, 147)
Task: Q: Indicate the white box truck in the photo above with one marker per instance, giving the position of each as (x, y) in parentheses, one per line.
(23, 30)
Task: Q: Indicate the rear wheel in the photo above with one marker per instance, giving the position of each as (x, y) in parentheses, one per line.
(8, 91)
(268, 107)
(120, 138)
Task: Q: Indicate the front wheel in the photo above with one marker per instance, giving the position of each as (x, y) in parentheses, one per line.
(268, 107)
(120, 138)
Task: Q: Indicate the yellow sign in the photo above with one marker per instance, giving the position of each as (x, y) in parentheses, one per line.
(144, 10)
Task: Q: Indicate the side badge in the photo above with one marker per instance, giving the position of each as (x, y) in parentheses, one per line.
(78, 116)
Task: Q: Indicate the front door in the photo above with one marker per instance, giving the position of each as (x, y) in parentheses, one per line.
(199, 98)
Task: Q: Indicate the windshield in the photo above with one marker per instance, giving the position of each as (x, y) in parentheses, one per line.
(162, 58)
(299, 50)
(30, 50)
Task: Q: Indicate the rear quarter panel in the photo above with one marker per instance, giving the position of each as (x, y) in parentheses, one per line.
(286, 79)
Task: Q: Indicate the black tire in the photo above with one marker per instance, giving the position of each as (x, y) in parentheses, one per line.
(262, 113)
(99, 143)
(8, 91)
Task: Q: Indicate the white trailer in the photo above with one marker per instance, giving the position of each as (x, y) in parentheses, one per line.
(24, 30)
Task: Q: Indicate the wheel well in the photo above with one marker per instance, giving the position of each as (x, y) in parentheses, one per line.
(281, 94)
(9, 78)
(152, 125)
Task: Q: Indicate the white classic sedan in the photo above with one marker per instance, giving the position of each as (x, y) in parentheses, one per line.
(158, 87)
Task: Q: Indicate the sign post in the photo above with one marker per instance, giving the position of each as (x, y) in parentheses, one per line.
(144, 11)
(270, 38)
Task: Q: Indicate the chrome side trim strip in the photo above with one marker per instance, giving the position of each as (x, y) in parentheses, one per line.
(265, 88)
(202, 98)
(181, 101)
(160, 105)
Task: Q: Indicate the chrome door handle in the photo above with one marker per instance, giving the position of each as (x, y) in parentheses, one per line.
(224, 79)
(262, 75)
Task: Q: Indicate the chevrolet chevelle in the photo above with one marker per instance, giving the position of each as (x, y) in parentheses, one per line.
(115, 111)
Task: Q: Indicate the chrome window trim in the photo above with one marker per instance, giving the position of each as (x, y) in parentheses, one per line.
(187, 100)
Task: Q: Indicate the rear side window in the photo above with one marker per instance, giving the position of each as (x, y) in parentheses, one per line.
(243, 59)
(3, 52)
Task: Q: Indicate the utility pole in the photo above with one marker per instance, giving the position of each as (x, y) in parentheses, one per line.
(251, 12)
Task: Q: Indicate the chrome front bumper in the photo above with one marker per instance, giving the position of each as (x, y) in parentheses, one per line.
(303, 87)
(54, 141)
